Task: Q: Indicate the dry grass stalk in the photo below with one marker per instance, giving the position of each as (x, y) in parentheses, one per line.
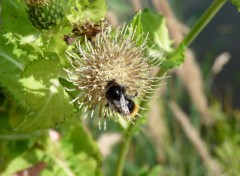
(192, 78)
(220, 61)
(107, 141)
(157, 127)
(112, 18)
(195, 139)
(137, 5)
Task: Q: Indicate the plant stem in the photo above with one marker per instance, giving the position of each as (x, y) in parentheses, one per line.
(124, 149)
(196, 29)
(203, 21)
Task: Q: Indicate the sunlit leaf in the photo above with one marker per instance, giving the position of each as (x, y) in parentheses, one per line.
(85, 10)
(155, 25)
(10, 70)
(79, 146)
(15, 18)
(23, 161)
(174, 59)
(45, 96)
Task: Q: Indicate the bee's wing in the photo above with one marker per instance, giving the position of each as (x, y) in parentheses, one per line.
(121, 106)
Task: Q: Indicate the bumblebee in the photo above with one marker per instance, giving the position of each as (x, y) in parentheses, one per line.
(119, 100)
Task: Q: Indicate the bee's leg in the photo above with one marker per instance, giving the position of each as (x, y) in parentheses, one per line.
(136, 94)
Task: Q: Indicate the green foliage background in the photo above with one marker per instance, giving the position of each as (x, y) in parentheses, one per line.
(33, 99)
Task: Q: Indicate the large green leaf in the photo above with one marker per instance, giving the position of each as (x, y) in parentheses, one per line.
(16, 50)
(11, 66)
(45, 96)
(15, 18)
(23, 161)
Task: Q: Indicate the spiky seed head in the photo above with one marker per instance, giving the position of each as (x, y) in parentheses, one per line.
(115, 55)
(44, 14)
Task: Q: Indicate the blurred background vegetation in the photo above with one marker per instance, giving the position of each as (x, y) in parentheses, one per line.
(194, 124)
(192, 129)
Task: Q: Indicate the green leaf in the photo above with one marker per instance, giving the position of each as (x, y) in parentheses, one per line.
(75, 154)
(45, 96)
(79, 164)
(155, 25)
(22, 43)
(10, 70)
(23, 161)
(174, 59)
(69, 85)
(155, 171)
(15, 52)
(85, 10)
(136, 25)
(236, 3)
(15, 18)
(77, 143)
(56, 45)
(75, 132)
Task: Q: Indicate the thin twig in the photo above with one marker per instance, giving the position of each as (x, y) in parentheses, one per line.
(112, 18)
